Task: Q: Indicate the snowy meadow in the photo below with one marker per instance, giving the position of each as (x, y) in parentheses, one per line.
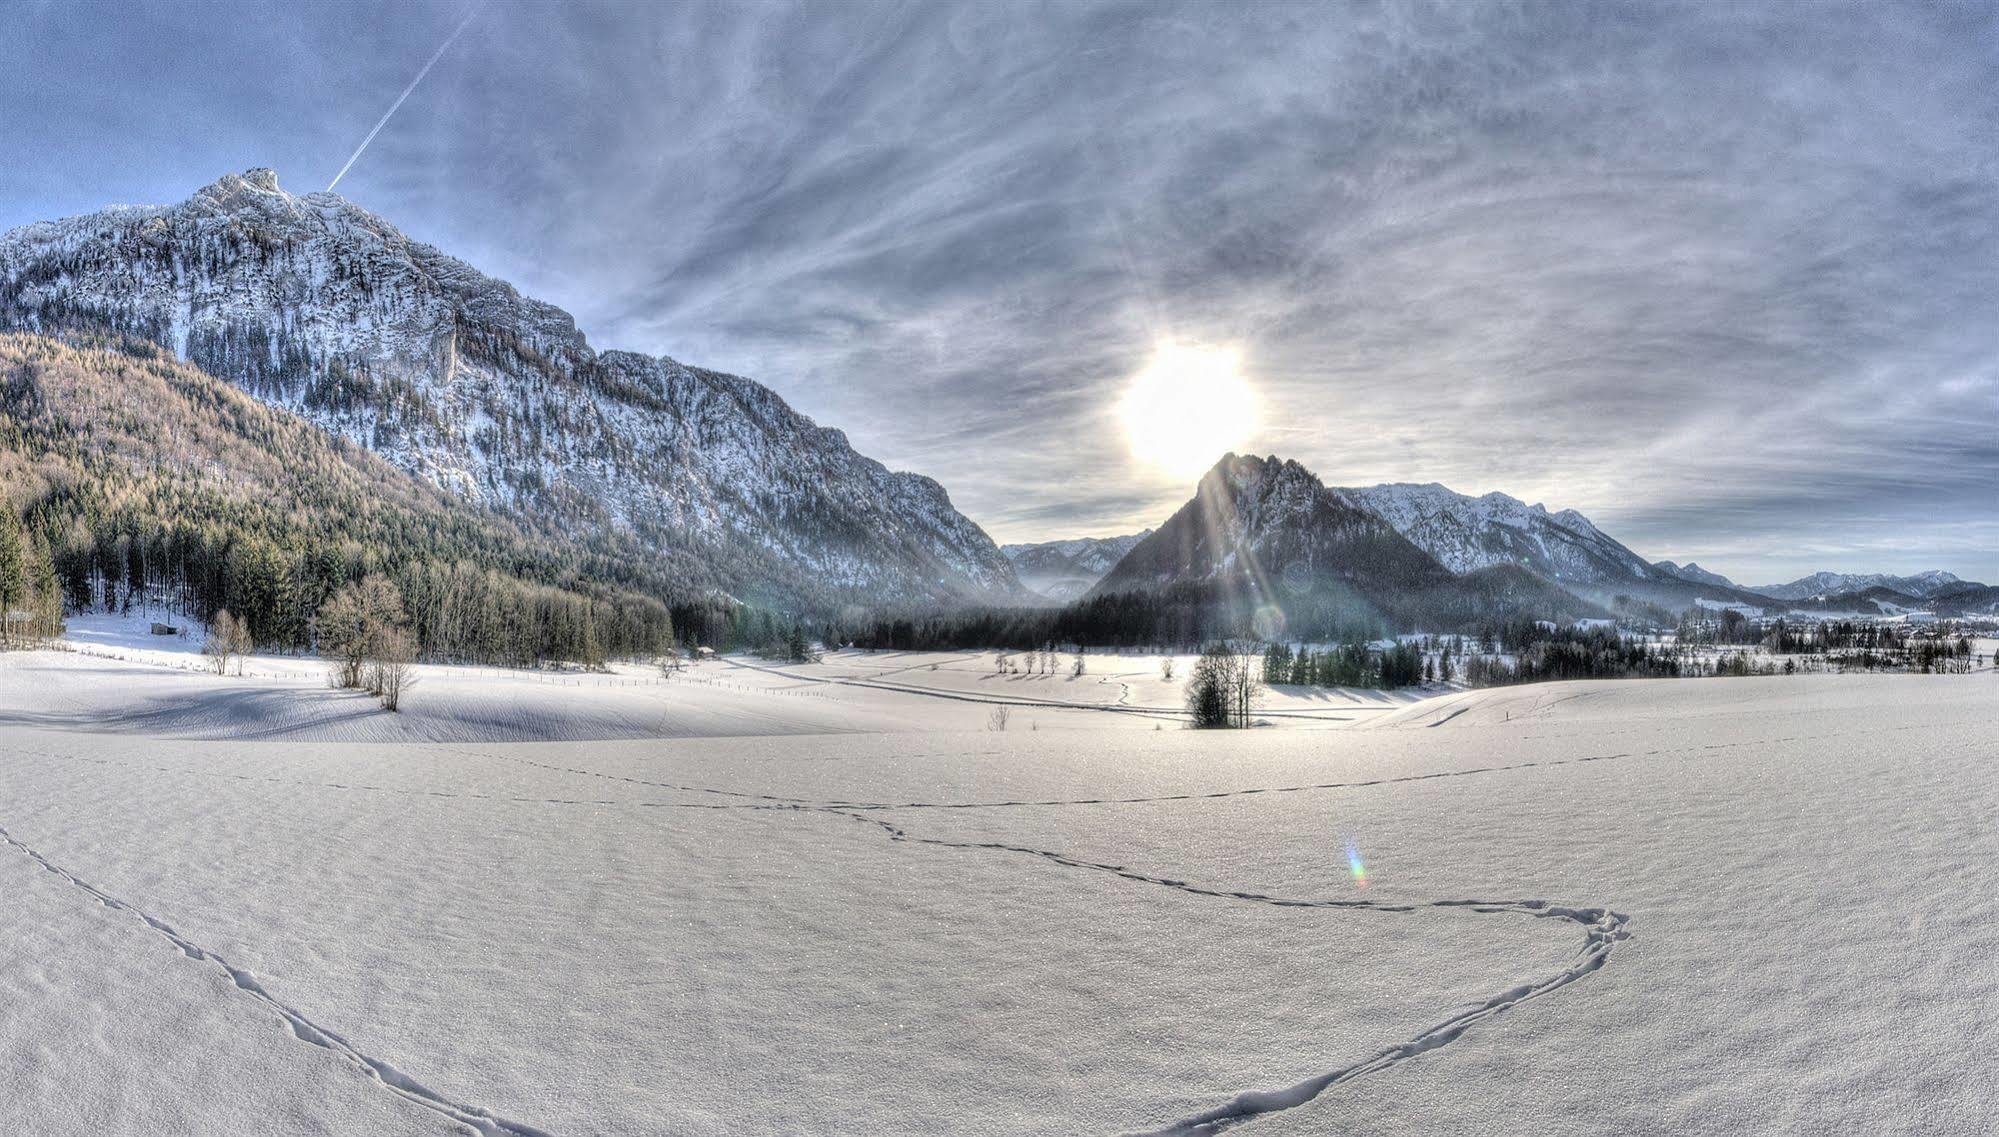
(834, 899)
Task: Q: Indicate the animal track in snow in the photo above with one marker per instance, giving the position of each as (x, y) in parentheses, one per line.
(303, 1028)
(1602, 928)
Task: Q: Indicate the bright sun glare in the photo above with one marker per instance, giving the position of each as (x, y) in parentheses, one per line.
(1186, 408)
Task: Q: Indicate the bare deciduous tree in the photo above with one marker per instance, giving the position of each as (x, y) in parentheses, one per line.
(226, 637)
(672, 663)
(394, 666)
(363, 628)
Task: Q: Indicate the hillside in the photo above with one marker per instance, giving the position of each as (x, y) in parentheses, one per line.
(316, 306)
(1695, 573)
(152, 482)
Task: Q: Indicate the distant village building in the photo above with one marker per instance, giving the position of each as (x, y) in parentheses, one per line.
(160, 629)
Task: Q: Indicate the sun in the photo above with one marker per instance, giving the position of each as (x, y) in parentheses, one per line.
(1188, 407)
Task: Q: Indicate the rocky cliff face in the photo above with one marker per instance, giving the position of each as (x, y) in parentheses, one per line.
(315, 305)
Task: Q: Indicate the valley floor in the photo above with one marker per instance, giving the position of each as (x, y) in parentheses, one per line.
(1722, 906)
(115, 678)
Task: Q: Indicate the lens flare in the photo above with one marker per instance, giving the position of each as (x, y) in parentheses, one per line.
(1355, 866)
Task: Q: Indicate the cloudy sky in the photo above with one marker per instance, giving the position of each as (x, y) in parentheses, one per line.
(1724, 277)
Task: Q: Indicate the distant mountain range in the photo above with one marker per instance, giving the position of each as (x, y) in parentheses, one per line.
(1065, 570)
(1468, 533)
(1265, 531)
(318, 307)
(1922, 584)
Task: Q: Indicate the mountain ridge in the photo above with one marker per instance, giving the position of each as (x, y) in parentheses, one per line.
(314, 305)
(1920, 585)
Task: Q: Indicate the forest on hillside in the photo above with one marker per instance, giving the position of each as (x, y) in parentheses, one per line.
(133, 481)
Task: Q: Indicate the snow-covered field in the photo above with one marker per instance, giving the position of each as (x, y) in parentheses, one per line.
(118, 679)
(1725, 906)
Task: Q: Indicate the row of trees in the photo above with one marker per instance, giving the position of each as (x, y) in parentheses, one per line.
(1044, 660)
(1545, 654)
(1351, 665)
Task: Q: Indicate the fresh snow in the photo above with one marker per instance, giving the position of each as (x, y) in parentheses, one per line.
(114, 677)
(1721, 906)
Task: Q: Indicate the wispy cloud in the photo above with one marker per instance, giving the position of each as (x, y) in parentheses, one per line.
(1721, 276)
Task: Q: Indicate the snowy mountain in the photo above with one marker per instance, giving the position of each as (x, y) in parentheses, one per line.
(1468, 533)
(1064, 570)
(319, 307)
(1922, 584)
(1695, 573)
(1263, 537)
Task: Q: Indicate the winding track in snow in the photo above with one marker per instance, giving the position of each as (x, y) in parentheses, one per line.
(1603, 928)
(303, 1028)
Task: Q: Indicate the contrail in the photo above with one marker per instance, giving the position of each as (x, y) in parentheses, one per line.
(428, 64)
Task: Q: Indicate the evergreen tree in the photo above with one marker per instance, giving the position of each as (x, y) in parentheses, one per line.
(13, 570)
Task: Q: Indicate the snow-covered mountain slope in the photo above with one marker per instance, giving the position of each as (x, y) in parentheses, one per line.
(1921, 584)
(1467, 533)
(1264, 537)
(1695, 573)
(318, 306)
(1064, 570)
